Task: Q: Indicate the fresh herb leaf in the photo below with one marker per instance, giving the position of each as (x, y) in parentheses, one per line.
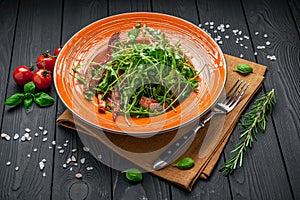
(185, 163)
(243, 69)
(134, 175)
(255, 119)
(28, 103)
(134, 33)
(43, 99)
(15, 99)
(29, 87)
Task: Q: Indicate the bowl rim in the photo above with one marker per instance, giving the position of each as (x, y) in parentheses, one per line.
(152, 132)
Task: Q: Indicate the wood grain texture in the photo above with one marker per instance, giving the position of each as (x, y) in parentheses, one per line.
(117, 7)
(203, 189)
(31, 38)
(96, 181)
(295, 8)
(275, 19)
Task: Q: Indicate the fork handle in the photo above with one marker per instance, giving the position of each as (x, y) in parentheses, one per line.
(175, 149)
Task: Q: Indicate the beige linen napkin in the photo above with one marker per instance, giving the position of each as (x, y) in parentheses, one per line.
(206, 147)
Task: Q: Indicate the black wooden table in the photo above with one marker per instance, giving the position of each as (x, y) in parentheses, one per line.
(271, 169)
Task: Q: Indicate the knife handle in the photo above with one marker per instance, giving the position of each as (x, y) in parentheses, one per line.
(175, 149)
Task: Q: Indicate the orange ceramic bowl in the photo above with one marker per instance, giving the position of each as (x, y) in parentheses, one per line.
(88, 45)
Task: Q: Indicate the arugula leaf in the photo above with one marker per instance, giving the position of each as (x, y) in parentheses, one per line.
(15, 99)
(43, 99)
(29, 87)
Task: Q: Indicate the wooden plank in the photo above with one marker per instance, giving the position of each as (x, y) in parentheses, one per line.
(117, 7)
(295, 7)
(276, 20)
(96, 181)
(34, 33)
(151, 187)
(216, 186)
(250, 176)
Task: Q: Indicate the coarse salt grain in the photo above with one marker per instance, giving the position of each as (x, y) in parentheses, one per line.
(89, 168)
(44, 160)
(68, 160)
(53, 143)
(28, 130)
(45, 139)
(71, 168)
(211, 27)
(5, 136)
(75, 164)
(17, 168)
(215, 31)
(64, 165)
(50, 147)
(59, 147)
(65, 144)
(211, 23)
(41, 128)
(265, 35)
(45, 132)
(268, 43)
(16, 136)
(99, 156)
(44, 174)
(227, 36)
(8, 163)
(255, 53)
(74, 150)
(86, 149)
(36, 134)
(206, 23)
(227, 26)
(35, 150)
(246, 37)
(82, 160)
(26, 135)
(256, 33)
(73, 158)
(220, 42)
(41, 165)
(260, 47)
(241, 55)
(28, 155)
(61, 151)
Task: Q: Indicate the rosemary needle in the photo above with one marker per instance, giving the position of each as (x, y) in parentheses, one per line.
(251, 122)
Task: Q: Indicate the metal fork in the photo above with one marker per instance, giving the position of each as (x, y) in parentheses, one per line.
(224, 106)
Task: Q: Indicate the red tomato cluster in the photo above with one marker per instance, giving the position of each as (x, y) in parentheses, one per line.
(42, 77)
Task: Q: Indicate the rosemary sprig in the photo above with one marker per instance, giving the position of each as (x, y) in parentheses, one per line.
(255, 119)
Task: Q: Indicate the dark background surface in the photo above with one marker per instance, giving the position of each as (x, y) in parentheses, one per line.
(271, 169)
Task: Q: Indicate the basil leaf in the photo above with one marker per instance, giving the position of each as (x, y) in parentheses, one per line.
(185, 163)
(29, 87)
(28, 103)
(243, 68)
(43, 100)
(134, 175)
(15, 99)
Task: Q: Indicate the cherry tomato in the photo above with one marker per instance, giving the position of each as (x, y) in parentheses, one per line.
(22, 75)
(46, 61)
(57, 51)
(42, 78)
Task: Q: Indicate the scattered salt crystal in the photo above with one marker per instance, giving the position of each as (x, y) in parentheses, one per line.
(268, 43)
(71, 168)
(219, 28)
(74, 150)
(246, 37)
(41, 165)
(220, 42)
(64, 165)
(240, 32)
(265, 35)
(50, 147)
(200, 25)
(78, 175)
(5, 136)
(227, 26)
(16, 136)
(53, 143)
(211, 23)
(35, 150)
(8, 163)
(255, 53)
(45, 132)
(29, 138)
(241, 38)
(23, 138)
(75, 164)
(272, 57)
(206, 23)
(241, 55)
(222, 30)
(73, 158)
(41, 128)
(246, 47)
(65, 144)
(17, 168)
(260, 47)
(44, 160)
(45, 139)
(68, 160)
(235, 31)
(89, 168)
(59, 147)
(237, 41)
(28, 155)
(215, 31)
(26, 135)
(67, 141)
(36, 134)
(256, 33)
(28, 130)
(99, 156)
(82, 160)
(44, 174)
(61, 151)
(86, 149)
(241, 44)
(211, 27)
(227, 36)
